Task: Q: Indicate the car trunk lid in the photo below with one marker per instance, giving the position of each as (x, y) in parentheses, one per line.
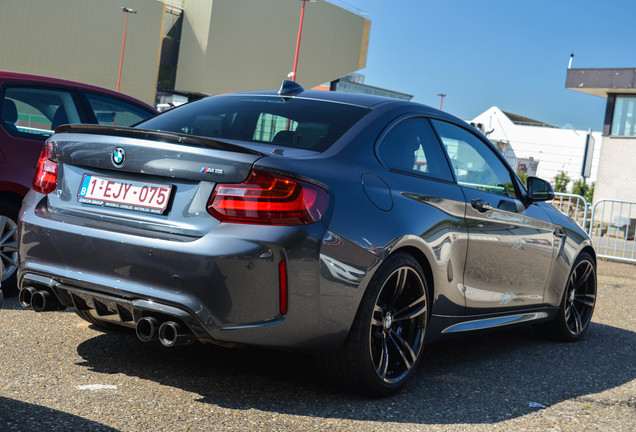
(153, 153)
(141, 179)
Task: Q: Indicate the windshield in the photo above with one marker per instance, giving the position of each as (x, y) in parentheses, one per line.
(285, 122)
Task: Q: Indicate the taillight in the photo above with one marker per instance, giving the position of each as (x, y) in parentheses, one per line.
(269, 199)
(45, 177)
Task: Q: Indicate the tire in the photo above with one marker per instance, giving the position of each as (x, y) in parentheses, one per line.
(385, 343)
(9, 247)
(577, 304)
(87, 316)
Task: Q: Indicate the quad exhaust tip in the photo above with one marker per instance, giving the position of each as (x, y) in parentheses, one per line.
(147, 329)
(169, 333)
(173, 334)
(25, 296)
(39, 300)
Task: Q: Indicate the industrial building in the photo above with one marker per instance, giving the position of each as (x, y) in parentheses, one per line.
(181, 48)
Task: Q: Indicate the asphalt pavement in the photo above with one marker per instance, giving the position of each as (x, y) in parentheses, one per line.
(57, 373)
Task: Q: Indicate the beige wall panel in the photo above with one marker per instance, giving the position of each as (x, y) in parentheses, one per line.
(81, 40)
(251, 44)
(615, 178)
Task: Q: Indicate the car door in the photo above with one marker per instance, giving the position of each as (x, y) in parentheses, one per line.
(428, 203)
(510, 245)
(30, 114)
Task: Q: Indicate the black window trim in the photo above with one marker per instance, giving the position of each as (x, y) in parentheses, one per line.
(520, 191)
(412, 173)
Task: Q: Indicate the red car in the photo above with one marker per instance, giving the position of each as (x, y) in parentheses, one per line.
(32, 107)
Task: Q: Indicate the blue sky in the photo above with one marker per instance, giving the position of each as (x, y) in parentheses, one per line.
(509, 53)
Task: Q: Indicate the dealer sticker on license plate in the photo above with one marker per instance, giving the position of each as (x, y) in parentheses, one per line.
(126, 194)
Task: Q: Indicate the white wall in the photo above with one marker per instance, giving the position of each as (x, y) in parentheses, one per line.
(616, 176)
(555, 149)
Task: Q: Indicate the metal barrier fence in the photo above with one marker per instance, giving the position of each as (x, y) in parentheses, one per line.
(612, 228)
(572, 205)
(611, 224)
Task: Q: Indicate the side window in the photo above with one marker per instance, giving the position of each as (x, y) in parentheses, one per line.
(474, 163)
(114, 112)
(35, 112)
(411, 146)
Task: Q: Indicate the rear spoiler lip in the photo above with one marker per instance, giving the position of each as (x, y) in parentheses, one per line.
(155, 135)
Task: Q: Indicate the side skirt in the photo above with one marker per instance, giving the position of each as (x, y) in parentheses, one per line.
(442, 326)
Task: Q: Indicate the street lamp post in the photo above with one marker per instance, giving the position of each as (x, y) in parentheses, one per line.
(300, 30)
(127, 11)
(441, 102)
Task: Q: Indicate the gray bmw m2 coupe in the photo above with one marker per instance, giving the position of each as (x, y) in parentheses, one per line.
(353, 226)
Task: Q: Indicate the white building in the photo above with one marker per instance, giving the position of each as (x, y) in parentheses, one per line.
(616, 174)
(541, 149)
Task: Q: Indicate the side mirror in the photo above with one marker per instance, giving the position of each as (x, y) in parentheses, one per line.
(539, 189)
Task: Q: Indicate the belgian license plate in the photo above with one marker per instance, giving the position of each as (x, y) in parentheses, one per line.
(126, 194)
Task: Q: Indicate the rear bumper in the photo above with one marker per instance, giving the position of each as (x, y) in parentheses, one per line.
(224, 286)
(121, 310)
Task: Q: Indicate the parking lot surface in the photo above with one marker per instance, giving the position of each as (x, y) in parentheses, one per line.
(57, 373)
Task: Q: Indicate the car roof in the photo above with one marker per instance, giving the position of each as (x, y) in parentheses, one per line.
(6, 76)
(371, 102)
(363, 100)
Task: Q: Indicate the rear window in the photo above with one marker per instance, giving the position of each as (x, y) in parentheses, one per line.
(297, 123)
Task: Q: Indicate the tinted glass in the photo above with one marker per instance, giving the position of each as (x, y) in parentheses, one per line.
(624, 121)
(115, 112)
(411, 146)
(474, 163)
(286, 122)
(35, 112)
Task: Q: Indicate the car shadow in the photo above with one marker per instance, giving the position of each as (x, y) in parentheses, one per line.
(478, 379)
(26, 417)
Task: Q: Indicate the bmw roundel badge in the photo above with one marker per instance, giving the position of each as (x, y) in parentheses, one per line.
(119, 156)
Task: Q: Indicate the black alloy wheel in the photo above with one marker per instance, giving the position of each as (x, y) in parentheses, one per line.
(386, 340)
(8, 247)
(580, 297)
(577, 304)
(398, 325)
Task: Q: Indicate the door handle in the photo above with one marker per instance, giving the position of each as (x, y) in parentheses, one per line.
(480, 205)
(559, 233)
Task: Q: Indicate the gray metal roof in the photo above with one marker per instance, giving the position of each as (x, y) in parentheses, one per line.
(602, 81)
